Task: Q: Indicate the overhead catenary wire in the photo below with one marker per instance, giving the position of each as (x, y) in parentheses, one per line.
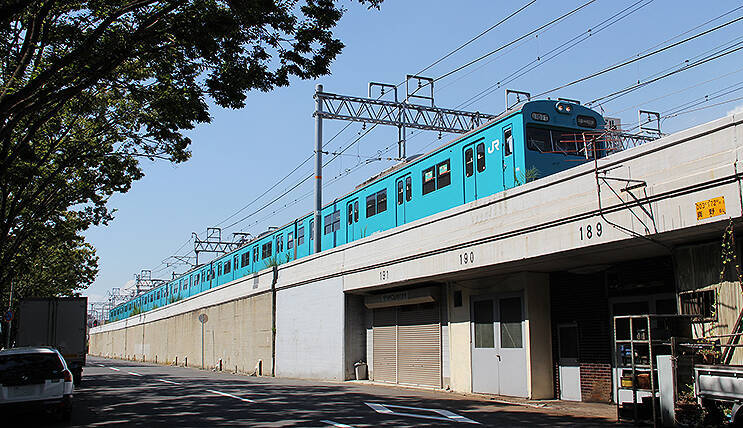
(462, 46)
(480, 58)
(558, 50)
(628, 89)
(638, 58)
(615, 112)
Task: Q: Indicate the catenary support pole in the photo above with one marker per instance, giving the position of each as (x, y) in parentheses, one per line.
(318, 168)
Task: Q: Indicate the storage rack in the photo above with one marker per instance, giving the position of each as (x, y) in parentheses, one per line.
(637, 341)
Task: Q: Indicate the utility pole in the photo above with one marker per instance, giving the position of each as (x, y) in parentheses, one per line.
(318, 168)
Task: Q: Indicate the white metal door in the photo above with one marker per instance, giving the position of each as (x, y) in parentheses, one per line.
(498, 346)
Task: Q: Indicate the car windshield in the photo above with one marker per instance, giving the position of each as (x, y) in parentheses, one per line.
(30, 368)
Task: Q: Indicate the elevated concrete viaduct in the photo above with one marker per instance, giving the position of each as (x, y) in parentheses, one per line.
(511, 294)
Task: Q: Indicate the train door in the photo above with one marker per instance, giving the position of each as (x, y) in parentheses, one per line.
(509, 162)
(470, 185)
(404, 186)
(311, 241)
(352, 219)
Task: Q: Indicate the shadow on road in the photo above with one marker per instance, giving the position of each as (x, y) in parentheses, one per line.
(113, 398)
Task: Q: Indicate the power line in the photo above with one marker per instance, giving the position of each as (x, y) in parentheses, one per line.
(622, 92)
(562, 48)
(513, 41)
(280, 181)
(612, 113)
(478, 36)
(641, 57)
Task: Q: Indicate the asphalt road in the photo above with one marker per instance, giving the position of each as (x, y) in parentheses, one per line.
(126, 393)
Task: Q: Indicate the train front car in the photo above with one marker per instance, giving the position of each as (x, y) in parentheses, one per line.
(558, 135)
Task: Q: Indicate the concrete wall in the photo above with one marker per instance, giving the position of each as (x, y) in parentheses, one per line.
(237, 332)
(310, 331)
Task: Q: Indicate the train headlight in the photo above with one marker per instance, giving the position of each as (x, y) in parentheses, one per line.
(563, 108)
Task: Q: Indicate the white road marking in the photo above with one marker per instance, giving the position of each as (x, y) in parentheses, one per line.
(442, 415)
(134, 374)
(336, 424)
(169, 381)
(114, 368)
(247, 400)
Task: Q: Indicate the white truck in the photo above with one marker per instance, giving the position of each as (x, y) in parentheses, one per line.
(58, 322)
(721, 383)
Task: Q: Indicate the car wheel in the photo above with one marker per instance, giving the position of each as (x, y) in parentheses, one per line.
(65, 413)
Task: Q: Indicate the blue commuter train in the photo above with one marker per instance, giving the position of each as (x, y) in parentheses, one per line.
(535, 138)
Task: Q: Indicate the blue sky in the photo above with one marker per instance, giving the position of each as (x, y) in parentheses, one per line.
(243, 152)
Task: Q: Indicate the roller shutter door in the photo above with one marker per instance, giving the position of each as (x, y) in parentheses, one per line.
(407, 345)
(385, 345)
(419, 345)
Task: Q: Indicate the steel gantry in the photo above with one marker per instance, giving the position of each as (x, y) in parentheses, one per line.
(214, 244)
(399, 113)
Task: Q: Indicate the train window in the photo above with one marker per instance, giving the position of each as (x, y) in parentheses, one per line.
(538, 139)
(376, 203)
(266, 250)
(350, 213)
(196, 279)
(312, 230)
(480, 157)
(469, 161)
(408, 188)
(429, 180)
(356, 211)
(227, 267)
(300, 235)
(290, 240)
(235, 262)
(336, 220)
(371, 205)
(443, 174)
(328, 223)
(245, 258)
(507, 142)
(279, 243)
(400, 192)
(381, 201)
(332, 222)
(219, 269)
(255, 254)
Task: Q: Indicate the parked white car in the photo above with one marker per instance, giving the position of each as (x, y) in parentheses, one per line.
(35, 376)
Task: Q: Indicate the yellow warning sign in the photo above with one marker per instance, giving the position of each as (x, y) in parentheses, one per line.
(710, 208)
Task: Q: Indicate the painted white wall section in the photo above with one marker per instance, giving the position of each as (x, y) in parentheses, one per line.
(310, 331)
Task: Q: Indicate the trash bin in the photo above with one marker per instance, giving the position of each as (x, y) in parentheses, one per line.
(361, 370)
